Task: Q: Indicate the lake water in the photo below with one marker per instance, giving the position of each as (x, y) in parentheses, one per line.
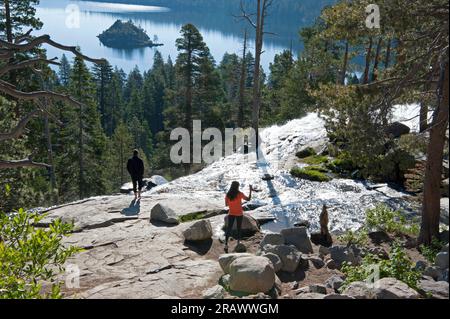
(79, 23)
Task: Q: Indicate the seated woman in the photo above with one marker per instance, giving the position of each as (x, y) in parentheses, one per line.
(233, 200)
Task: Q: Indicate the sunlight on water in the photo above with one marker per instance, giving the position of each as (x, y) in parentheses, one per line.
(118, 7)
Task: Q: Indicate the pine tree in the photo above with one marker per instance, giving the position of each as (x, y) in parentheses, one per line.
(64, 71)
(121, 145)
(103, 76)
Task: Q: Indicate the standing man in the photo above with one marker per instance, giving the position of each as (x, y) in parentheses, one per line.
(135, 167)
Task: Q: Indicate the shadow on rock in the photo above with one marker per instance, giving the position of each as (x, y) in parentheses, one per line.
(199, 247)
(133, 210)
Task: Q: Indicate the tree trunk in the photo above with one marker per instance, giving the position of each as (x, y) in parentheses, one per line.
(240, 120)
(54, 195)
(368, 60)
(423, 117)
(431, 196)
(377, 59)
(80, 143)
(344, 67)
(189, 89)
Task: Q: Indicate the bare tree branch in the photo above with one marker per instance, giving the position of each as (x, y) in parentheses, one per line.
(17, 131)
(22, 163)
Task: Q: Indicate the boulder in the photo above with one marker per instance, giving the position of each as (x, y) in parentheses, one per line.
(298, 237)
(434, 289)
(272, 239)
(341, 254)
(289, 255)
(441, 260)
(250, 226)
(252, 275)
(216, 292)
(198, 231)
(334, 282)
(276, 261)
(226, 260)
(433, 272)
(397, 129)
(443, 276)
(391, 288)
(316, 261)
(331, 264)
(421, 265)
(162, 213)
(240, 248)
(303, 223)
(359, 290)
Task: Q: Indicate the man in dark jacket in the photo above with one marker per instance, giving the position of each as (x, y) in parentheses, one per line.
(135, 167)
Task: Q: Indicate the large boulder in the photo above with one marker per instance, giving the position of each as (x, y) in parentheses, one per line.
(162, 213)
(252, 275)
(250, 226)
(341, 254)
(334, 282)
(272, 239)
(391, 288)
(434, 272)
(276, 261)
(198, 231)
(442, 260)
(359, 290)
(226, 260)
(434, 289)
(289, 255)
(298, 236)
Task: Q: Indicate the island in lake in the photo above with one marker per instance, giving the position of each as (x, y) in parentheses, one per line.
(126, 35)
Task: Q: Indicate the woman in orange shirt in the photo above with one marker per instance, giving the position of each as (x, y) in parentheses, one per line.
(233, 200)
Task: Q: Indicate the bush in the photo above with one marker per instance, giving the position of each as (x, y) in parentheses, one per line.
(309, 151)
(315, 160)
(383, 218)
(310, 174)
(430, 252)
(30, 256)
(398, 266)
(341, 164)
(359, 237)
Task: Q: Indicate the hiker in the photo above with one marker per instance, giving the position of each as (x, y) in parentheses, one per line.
(135, 167)
(233, 200)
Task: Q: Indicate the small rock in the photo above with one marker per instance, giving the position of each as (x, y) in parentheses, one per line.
(276, 261)
(391, 288)
(320, 289)
(198, 231)
(437, 289)
(163, 214)
(421, 265)
(303, 290)
(341, 254)
(289, 255)
(359, 290)
(224, 281)
(226, 259)
(324, 251)
(252, 275)
(334, 282)
(310, 296)
(433, 272)
(272, 239)
(216, 292)
(443, 276)
(317, 262)
(442, 260)
(379, 252)
(240, 248)
(298, 237)
(444, 249)
(337, 296)
(331, 264)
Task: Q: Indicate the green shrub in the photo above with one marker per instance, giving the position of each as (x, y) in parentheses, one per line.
(430, 252)
(359, 237)
(315, 160)
(310, 174)
(318, 168)
(398, 266)
(30, 256)
(383, 218)
(191, 217)
(309, 151)
(341, 164)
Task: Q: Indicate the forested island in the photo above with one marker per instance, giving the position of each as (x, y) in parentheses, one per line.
(126, 35)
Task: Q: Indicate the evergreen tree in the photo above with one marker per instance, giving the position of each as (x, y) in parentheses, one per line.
(121, 145)
(103, 76)
(64, 71)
